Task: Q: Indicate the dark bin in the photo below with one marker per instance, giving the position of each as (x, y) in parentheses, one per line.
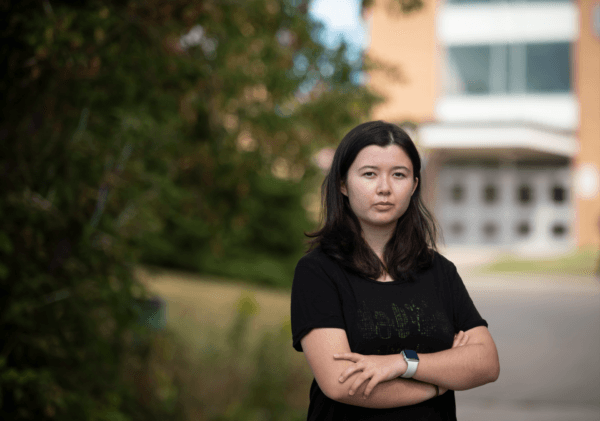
(152, 312)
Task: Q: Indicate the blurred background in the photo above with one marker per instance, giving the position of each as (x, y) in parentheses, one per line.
(161, 159)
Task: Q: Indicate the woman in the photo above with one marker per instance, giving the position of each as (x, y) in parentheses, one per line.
(385, 322)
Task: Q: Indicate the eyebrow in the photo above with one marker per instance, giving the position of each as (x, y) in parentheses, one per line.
(399, 167)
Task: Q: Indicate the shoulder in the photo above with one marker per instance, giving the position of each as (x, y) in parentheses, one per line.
(441, 260)
(316, 268)
(440, 263)
(316, 258)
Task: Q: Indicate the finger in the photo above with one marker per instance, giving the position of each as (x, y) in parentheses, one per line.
(375, 380)
(457, 339)
(464, 340)
(349, 371)
(359, 380)
(350, 356)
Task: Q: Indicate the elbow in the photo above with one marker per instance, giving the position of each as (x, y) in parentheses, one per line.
(493, 368)
(484, 376)
(494, 372)
(335, 395)
(491, 373)
(331, 393)
(338, 392)
(334, 391)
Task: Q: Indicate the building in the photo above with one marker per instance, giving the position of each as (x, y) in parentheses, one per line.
(504, 99)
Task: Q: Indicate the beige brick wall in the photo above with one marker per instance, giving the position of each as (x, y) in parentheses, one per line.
(407, 41)
(587, 86)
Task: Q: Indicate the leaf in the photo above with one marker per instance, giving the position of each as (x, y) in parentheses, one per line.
(5, 243)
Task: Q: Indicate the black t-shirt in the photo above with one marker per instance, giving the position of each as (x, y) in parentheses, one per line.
(381, 318)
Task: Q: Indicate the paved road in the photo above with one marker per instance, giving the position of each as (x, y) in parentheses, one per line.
(547, 330)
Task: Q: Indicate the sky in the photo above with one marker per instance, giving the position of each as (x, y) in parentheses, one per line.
(342, 20)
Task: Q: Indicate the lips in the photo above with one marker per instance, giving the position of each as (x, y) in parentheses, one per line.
(383, 205)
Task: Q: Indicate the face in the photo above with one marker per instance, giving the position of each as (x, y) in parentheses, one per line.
(379, 185)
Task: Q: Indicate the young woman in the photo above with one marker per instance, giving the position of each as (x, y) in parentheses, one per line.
(385, 322)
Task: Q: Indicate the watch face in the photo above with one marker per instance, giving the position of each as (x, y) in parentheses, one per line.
(411, 355)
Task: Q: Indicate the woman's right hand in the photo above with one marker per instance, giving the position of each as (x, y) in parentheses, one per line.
(460, 339)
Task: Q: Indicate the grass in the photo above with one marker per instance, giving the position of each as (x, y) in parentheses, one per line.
(579, 263)
(230, 354)
(197, 303)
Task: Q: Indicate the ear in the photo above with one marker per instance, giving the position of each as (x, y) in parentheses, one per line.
(415, 186)
(343, 189)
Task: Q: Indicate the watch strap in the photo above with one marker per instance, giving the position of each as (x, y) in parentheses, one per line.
(411, 367)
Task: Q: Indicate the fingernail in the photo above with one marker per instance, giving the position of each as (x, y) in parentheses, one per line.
(341, 379)
(351, 392)
(335, 355)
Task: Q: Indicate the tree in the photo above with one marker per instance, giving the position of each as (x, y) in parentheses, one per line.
(264, 104)
(169, 130)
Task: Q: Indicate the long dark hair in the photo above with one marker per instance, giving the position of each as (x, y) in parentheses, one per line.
(411, 246)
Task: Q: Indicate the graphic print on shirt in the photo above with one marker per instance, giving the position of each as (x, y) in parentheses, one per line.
(399, 320)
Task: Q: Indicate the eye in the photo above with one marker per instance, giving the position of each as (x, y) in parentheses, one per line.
(369, 174)
(399, 175)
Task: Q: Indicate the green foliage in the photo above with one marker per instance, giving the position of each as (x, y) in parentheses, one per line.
(233, 205)
(262, 240)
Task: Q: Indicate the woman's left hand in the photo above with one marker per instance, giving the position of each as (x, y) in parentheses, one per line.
(377, 368)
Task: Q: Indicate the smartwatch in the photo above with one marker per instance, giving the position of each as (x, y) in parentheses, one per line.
(412, 360)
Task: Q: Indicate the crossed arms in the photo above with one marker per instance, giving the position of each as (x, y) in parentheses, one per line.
(351, 378)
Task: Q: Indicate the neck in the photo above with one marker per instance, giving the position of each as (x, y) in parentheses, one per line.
(378, 237)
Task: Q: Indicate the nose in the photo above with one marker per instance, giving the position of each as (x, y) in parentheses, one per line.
(383, 186)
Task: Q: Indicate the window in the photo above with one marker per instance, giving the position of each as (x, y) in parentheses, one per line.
(547, 67)
(559, 230)
(490, 194)
(470, 69)
(506, 1)
(525, 194)
(515, 68)
(457, 193)
(559, 194)
(457, 229)
(523, 229)
(490, 230)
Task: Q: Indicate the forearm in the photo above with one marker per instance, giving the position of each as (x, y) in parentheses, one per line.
(390, 394)
(459, 368)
